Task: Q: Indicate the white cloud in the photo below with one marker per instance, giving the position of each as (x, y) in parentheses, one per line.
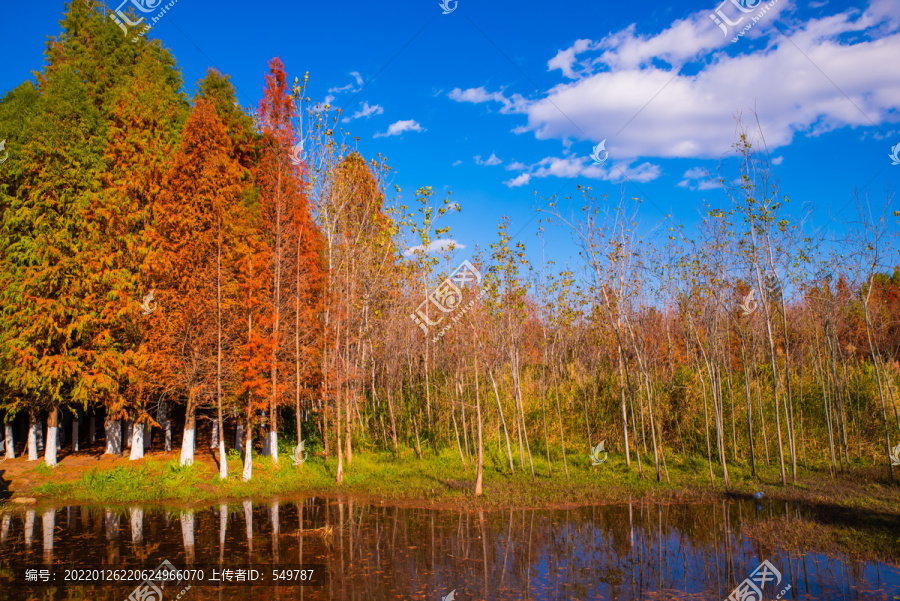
(568, 167)
(366, 111)
(516, 166)
(514, 104)
(349, 87)
(457, 163)
(491, 160)
(697, 178)
(395, 129)
(625, 92)
(434, 247)
(564, 59)
(520, 180)
(777, 160)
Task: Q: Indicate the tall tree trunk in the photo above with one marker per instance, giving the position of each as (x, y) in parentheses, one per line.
(562, 437)
(712, 479)
(544, 408)
(188, 441)
(512, 470)
(887, 437)
(297, 345)
(522, 413)
(167, 427)
(749, 409)
(113, 436)
(393, 423)
(622, 395)
(137, 441)
(775, 376)
(223, 462)
(52, 433)
(76, 421)
(479, 475)
(10, 442)
(276, 328)
(247, 473)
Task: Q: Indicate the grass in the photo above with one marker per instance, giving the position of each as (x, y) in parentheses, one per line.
(855, 513)
(440, 479)
(151, 480)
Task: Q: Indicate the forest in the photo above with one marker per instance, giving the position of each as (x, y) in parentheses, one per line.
(171, 263)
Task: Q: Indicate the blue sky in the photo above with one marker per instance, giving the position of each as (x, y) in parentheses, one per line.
(503, 101)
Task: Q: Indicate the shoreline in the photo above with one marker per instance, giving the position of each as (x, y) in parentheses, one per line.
(855, 514)
(90, 478)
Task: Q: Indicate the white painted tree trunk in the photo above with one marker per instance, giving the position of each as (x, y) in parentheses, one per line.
(29, 527)
(215, 435)
(137, 525)
(187, 534)
(248, 462)
(75, 423)
(273, 445)
(52, 445)
(137, 442)
(239, 438)
(10, 442)
(49, 531)
(113, 437)
(187, 447)
(32, 440)
(223, 462)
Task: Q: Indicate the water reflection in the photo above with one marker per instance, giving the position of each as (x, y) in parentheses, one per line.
(629, 552)
(49, 531)
(187, 535)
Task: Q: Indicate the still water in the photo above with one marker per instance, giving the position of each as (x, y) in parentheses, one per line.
(346, 549)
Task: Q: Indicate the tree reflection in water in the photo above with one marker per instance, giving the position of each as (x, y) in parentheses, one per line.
(375, 551)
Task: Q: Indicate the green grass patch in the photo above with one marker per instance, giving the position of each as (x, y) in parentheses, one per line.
(442, 478)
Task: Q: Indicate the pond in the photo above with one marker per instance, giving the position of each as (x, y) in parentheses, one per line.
(332, 548)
